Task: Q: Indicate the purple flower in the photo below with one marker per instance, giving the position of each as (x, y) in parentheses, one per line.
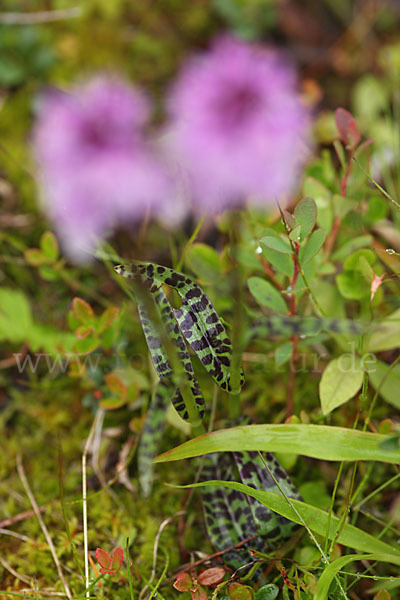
(97, 170)
(237, 125)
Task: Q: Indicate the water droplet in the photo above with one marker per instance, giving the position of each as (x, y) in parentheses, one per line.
(258, 250)
(390, 251)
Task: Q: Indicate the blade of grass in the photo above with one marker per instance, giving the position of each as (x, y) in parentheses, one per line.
(333, 569)
(316, 518)
(317, 441)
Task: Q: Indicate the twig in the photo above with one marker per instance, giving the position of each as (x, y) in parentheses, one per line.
(35, 507)
(45, 16)
(15, 573)
(20, 517)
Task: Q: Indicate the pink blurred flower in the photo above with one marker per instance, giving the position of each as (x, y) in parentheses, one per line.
(237, 125)
(97, 170)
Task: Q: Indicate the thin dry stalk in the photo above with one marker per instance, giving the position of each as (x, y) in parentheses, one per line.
(44, 16)
(84, 497)
(36, 508)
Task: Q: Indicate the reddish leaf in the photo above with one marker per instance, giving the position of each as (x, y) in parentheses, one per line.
(117, 558)
(108, 317)
(83, 312)
(83, 331)
(111, 403)
(103, 558)
(211, 576)
(238, 591)
(183, 582)
(116, 386)
(386, 427)
(35, 257)
(347, 127)
(382, 595)
(199, 593)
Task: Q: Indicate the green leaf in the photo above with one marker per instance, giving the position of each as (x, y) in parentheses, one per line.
(322, 196)
(15, 316)
(266, 295)
(316, 441)
(389, 391)
(49, 245)
(283, 353)
(281, 262)
(107, 318)
(277, 244)
(312, 246)
(305, 215)
(204, 261)
(340, 381)
(48, 273)
(319, 521)
(352, 285)
(83, 312)
(385, 335)
(267, 592)
(355, 262)
(333, 569)
(87, 345)
(295, 234)
(351, 246)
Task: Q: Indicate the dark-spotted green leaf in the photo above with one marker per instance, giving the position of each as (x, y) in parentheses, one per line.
(316, 441)
(277, 243)
(305, 215)
(340, 381)
(312, 246)
(266, 295)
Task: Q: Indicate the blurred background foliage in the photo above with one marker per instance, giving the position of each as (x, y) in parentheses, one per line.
(348, 54)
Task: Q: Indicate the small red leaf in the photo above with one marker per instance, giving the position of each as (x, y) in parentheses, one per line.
(237, 591)
(116, 386)
(211, 576)
(183, 582)
(83, 312)
(108, 317)
(83, 331)
(103, 558)
(347, 127)
(117, 558)
(199, 593)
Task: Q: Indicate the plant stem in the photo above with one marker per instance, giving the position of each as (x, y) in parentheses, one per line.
(237, 293)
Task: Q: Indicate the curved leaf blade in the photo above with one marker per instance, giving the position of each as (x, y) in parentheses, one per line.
(317, 441)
